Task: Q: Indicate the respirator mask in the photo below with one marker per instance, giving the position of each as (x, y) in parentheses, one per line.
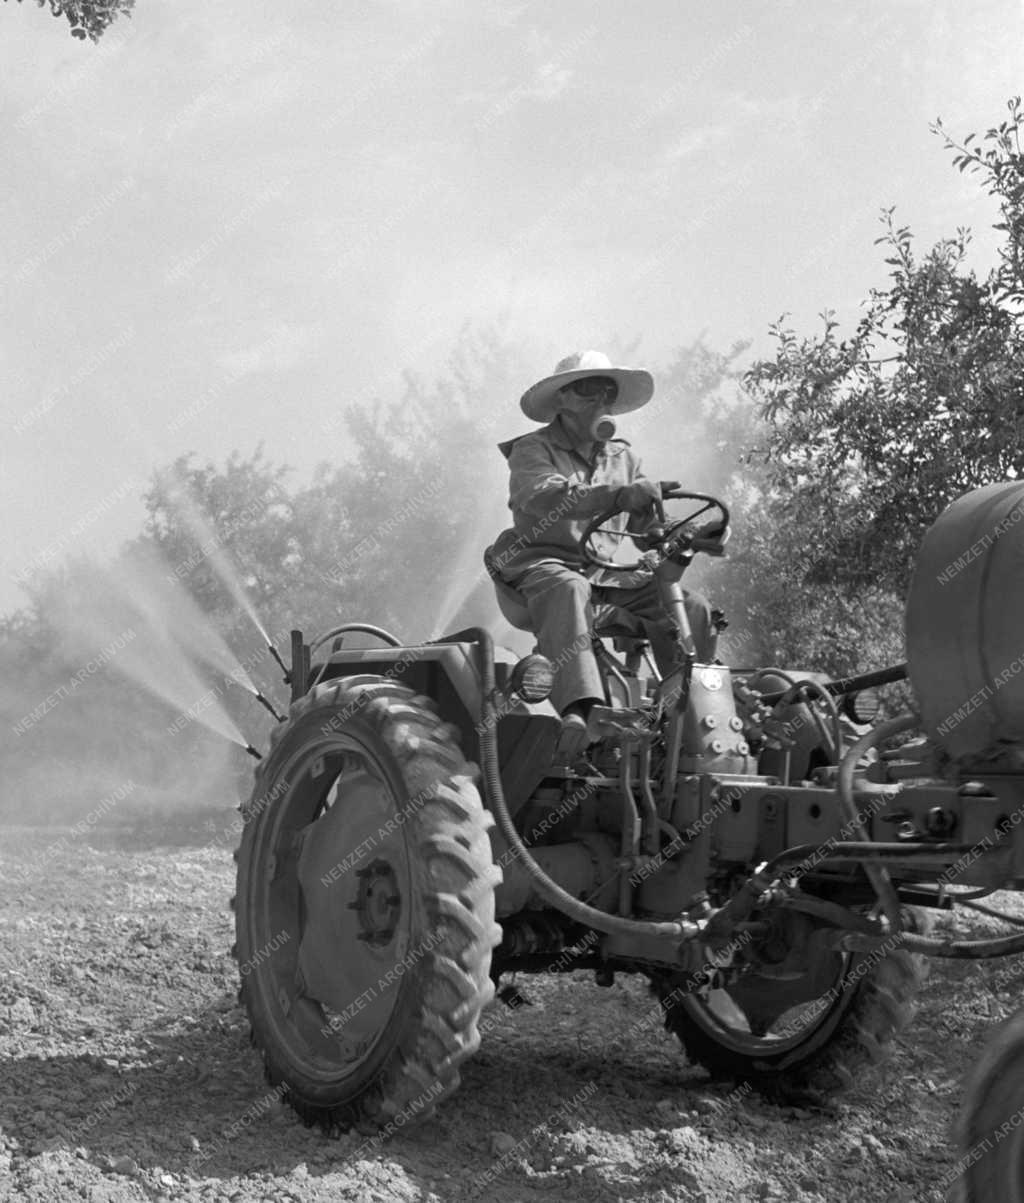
(584, 396)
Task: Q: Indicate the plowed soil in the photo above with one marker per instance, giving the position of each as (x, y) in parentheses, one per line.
(128, 1074)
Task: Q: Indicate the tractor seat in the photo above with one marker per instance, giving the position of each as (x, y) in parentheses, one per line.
(514, 608)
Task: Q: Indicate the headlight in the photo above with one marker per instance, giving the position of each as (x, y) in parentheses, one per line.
(863, 706)
(532, 678)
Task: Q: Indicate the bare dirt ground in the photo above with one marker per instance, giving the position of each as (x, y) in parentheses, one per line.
(128, 1075)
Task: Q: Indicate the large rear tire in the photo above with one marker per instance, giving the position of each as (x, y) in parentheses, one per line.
(365, 907)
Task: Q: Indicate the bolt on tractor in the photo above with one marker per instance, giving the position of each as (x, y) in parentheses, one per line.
(754, 842)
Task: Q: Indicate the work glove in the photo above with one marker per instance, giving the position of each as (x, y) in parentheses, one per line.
(638, 496)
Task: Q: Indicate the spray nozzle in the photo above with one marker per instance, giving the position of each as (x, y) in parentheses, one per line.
(264, 702)
(284, 668)
(261, 698)
(252, 751)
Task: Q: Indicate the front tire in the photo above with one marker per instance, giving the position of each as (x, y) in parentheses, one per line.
(820, 1042)
(365, 907)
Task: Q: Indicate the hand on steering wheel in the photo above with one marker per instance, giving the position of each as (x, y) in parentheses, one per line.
(639, 496)
(675, 538)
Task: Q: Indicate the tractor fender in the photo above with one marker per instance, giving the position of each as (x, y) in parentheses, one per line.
(449, 674)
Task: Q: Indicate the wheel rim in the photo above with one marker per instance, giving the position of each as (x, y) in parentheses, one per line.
(759, 1017)
(337, 900)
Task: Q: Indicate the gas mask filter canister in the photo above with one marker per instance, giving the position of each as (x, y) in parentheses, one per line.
(602, 428)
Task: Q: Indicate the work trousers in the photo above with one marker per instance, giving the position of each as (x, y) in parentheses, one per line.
(565, 607)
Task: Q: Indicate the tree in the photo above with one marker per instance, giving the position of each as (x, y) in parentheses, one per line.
(869, 436)
(88, 18)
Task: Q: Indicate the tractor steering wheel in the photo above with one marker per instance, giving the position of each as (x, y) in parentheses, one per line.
(671, 538)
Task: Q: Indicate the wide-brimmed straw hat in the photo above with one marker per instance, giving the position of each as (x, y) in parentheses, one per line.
(541, 401)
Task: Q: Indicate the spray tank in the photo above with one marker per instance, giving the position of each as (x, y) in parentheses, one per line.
(965, 645)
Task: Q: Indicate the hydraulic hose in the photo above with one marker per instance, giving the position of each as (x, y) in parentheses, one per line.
(845, 685)
(854, 850)
(1016, 920)
(826, 698)
(932, 946)
(943, 892)
(495, 798)
(362, 627)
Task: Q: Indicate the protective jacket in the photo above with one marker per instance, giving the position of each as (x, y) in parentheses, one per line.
(554, 493)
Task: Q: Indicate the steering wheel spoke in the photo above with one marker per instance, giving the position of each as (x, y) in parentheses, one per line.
(696, 513)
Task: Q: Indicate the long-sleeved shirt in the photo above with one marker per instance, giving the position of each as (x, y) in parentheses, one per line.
(554, 494)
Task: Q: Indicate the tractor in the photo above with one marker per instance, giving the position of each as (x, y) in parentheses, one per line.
(755, 842)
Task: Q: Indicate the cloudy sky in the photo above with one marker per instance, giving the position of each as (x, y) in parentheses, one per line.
(226, 220)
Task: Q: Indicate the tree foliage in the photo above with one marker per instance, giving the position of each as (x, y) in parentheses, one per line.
(88, 18)
(998, 159)
(870, 435)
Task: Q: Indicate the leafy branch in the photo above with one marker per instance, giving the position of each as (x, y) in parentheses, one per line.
(88, 18)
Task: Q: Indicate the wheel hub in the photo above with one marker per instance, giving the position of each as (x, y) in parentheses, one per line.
(378, 903)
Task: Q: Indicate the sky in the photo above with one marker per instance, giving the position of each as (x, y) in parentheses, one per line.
(226, 221)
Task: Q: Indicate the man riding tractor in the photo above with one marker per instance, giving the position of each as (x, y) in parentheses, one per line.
(563, 476)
